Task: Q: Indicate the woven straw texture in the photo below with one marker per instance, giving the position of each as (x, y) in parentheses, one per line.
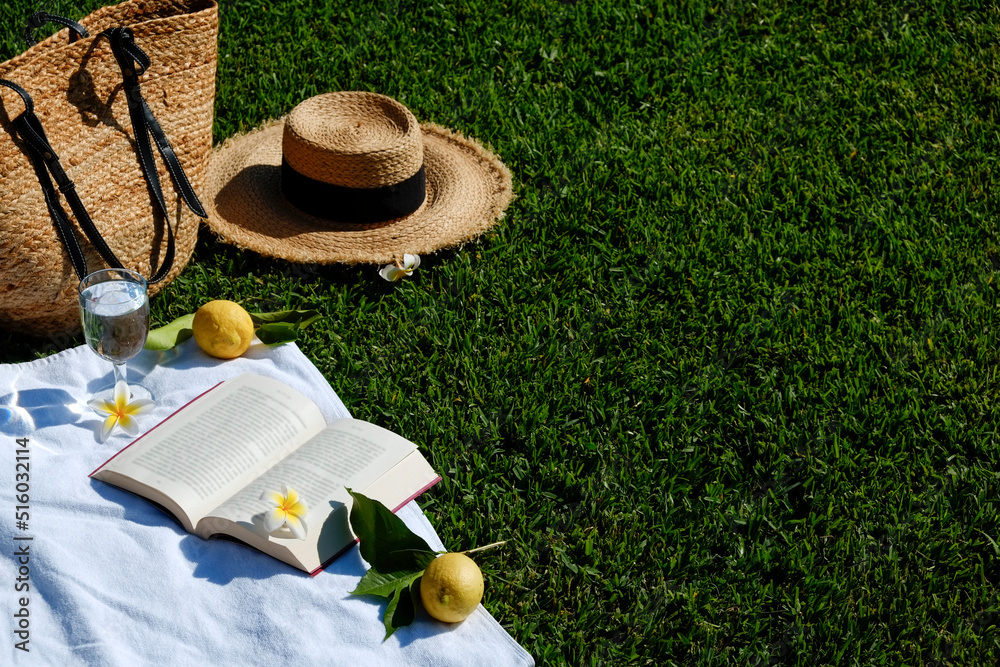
(353, 139)
(362, 141)
(77, 92)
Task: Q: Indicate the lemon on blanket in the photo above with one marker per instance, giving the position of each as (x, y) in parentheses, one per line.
(451, 587)
(222, 329)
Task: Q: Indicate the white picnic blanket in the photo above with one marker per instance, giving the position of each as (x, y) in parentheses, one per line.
(109, 579)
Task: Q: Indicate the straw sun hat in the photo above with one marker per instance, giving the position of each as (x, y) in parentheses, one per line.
(352, 177)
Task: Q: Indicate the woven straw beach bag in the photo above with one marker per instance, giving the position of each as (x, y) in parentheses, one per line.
(118, 109)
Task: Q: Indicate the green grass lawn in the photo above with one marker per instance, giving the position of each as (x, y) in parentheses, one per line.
(726, 377)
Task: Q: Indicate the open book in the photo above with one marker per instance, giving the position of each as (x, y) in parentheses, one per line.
(209, 462)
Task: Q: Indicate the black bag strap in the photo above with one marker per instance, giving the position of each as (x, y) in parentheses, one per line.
(133, 62)
(45, 162)
(38, 19)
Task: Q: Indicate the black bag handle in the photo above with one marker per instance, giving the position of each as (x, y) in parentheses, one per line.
(45, 161)
(133, 62)
(38, 19)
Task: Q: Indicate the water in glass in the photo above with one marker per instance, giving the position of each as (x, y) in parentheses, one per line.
(115, 318)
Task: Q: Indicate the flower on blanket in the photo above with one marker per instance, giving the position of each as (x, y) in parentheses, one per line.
(120, 411)
(289, 510)
(396, 271)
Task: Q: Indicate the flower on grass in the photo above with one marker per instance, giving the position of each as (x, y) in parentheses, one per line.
(396, 271)
(120, 411)
(288, 510)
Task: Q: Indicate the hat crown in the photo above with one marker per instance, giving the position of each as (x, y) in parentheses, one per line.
(353, 139)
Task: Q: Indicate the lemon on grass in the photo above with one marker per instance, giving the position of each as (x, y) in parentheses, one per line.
(451, 587)
(222, 329)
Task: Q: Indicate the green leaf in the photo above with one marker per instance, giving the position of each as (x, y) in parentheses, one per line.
(386, 543)
(300, 318)
(400, 612)
(397, 557)
(282, 326)
(275, 333)
(398, 587)
(170, 335)
(377, 583)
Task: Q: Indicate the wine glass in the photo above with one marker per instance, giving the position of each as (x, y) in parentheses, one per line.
(114, 307)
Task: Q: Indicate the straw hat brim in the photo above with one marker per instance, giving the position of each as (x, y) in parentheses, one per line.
(468, 189)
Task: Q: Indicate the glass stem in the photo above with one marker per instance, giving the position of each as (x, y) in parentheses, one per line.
(120, 375)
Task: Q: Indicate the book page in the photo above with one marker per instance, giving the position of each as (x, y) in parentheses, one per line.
(349, 453)
(404, 482)
(213, 446)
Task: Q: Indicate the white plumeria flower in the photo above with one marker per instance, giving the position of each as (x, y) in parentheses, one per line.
(289, 510)
(120, 411)
(396, 272)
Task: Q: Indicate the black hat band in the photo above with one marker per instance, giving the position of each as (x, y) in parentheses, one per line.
(353, 205)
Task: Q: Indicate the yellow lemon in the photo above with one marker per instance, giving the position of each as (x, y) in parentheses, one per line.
(222, 329)
(451, 587)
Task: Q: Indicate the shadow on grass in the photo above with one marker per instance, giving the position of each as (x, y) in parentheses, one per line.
(287, 285)
(17, 346)
(362, 276)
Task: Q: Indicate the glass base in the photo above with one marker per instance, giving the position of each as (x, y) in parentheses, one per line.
(136, 391)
